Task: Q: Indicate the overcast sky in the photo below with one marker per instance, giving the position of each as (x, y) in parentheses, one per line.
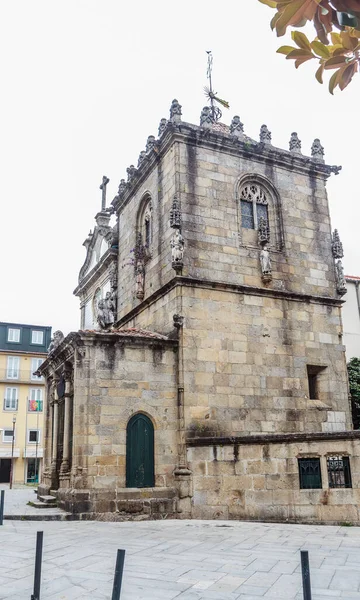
(84, 82)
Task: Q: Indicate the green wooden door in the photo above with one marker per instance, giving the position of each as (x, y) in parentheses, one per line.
(140, 452)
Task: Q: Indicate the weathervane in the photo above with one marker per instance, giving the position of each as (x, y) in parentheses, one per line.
(216, 113)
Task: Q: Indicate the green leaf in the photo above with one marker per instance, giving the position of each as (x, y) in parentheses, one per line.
(301, 40)
(335, 61)
(319, 74)
(270, 3)
(320, 49)
(333, 82)
(300, 54)
(285, 49)
(300, 61)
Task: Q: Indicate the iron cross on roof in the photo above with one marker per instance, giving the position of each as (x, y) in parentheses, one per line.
(105, 181)
(211, 95)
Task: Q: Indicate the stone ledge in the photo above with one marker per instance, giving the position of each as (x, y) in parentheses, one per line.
(290, 438)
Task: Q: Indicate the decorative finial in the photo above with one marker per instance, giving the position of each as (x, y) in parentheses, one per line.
(175, 112)
(131, 172)
(295, 143)
(105, 181)
(215, 112)
(142, 155)
(237, 128)
(265, 135)
(150, 143)
(206, 119)
(317, 151)
(122, 187)
(162, 126)
(336, 245)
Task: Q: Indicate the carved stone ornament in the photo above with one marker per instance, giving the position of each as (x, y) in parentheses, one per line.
(237, 128)
(317, 150)
(175, 214)
(177, 250)
(263, 232)
(122, 187)
(150, 143)
(178, 321)
(162, 126)
(131, 172)
(140, 279)
(107, 310)
(340, 278)
(295, 143)
(55, 341)
(253, 192)
(265, 135)
(206, 119)
(175, 112)
(336, 245)
(265, 263)
(142, 155)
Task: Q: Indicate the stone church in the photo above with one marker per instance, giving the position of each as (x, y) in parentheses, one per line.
(208, 378)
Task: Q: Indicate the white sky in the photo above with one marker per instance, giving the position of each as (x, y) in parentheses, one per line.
(84, 82)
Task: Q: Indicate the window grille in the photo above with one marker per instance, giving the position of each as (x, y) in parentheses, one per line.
(310, 473)
(339, 472)
(253, 206)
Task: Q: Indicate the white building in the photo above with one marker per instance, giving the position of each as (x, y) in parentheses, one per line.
(351, 317)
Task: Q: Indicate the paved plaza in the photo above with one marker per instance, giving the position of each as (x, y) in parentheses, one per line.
(186, 560)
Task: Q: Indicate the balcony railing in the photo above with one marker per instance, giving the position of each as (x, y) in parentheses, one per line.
(20, 375)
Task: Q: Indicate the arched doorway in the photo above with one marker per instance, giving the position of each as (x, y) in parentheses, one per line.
(140, 452)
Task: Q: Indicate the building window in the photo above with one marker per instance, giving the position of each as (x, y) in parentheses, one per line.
(253, 206)
(13, 335)
(7, 435)
(11, 398)
(35, 364)
(37, 337)
(35, 400)
(12, 371)
(33, 469)
(310, 473)
(33, 436)
(339, 471)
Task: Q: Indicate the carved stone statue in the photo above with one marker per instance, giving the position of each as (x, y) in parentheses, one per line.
(142, 155)
(140, 280)
(265, 135)
(175, 214)
(122, 187)
(317, 151)
(106, 311)
(177, 250)
(150, 143)
(295, 143)
(175, 112)
(55, 341)
(131, 172)
(162, 126)
(237, 128)
(340, 278)
(206, 119)
(265, 263)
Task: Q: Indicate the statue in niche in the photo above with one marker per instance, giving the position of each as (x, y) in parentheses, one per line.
(177, 250)
(265, 263)
(55, 341)
(140, 280)
(106, 311)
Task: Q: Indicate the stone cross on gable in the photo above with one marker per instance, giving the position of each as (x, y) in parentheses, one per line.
(105, 181)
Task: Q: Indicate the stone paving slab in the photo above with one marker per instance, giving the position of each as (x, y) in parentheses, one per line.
(182, 560)
(16, 505)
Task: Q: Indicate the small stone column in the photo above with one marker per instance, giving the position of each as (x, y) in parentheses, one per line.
(65, 464)
(55, 432)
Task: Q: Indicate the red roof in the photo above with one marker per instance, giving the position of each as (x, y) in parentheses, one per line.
(352, 277)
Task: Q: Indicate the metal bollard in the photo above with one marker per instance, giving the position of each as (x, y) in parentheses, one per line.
(305, 571)
(118, 575)
(2, 502)
(38, 559)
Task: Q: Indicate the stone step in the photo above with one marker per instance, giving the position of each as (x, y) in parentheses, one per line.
(53, 493)
(48, 500)
(38, 504)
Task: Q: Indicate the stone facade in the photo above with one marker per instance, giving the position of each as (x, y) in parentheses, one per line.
(228, 339)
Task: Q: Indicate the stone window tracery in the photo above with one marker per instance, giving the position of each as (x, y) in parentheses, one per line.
(253, 206)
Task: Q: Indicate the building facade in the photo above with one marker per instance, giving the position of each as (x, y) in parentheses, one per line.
(22, 350)
(351, 317)
(208, 379)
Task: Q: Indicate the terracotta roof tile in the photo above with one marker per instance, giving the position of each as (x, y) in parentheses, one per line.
(356, 278)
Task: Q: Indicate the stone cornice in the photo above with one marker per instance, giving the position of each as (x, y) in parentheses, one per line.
(100, 268)
(221, 141)
(223, 286)
(270, 438)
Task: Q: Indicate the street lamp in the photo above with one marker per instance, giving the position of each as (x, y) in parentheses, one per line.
(12, 452)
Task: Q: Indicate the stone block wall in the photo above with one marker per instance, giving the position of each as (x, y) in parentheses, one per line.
(261, 482)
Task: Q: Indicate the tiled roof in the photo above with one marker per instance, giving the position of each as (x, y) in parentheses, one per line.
(356, 278)
(221, 127)
(130, 332)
